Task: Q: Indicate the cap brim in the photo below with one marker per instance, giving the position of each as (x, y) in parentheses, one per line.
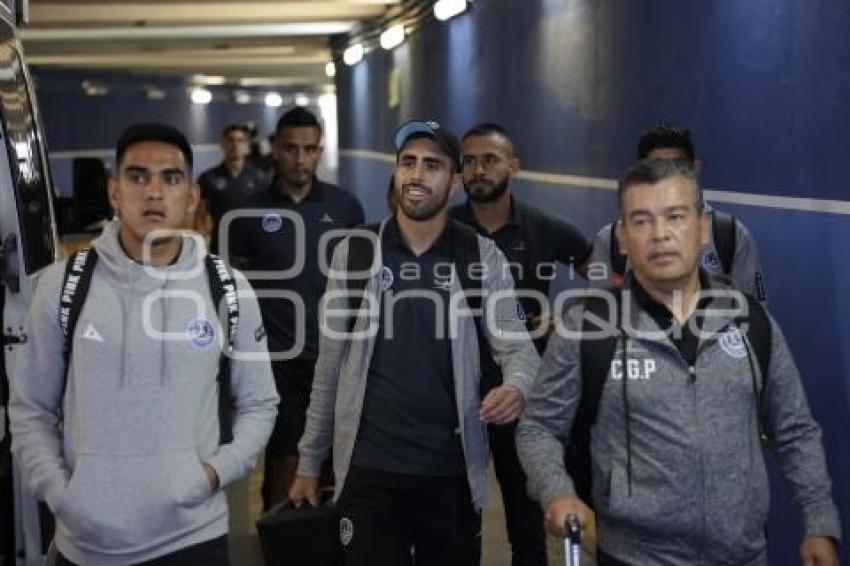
(411, 129)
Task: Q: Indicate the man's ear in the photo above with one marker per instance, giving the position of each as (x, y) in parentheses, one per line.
(514, 165)
(704, 228)
(457, 181)
(114, 195)
(620, 234)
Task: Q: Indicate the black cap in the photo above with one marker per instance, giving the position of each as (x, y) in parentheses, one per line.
(429, 129)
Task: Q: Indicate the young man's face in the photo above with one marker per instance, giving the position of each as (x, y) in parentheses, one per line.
(297, 152)
(424, 179)
(662, 233)
(235, 145)
(152, 190)
(488, 164)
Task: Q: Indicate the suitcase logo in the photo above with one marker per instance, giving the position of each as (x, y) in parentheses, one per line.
(346, 531)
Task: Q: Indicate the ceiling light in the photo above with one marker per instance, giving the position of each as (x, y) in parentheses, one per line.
(392, 37)
(241, 97)
(330, 69)
(448, 9)
(302, 100)
(154, 93)
(273, 100)
(94, 89)
(353, 55)
(207, 80)
(201, 96)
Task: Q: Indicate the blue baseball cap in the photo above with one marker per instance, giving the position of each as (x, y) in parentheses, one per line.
(429, 129)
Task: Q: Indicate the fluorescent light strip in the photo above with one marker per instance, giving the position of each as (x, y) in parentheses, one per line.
(187, 32)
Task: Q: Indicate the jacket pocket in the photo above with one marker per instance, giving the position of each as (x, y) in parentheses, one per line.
(653, 506)
(123, 503)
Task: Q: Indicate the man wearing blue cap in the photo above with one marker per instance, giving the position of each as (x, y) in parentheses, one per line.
(397, 384)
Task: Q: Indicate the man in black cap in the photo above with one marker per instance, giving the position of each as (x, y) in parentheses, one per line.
(397, 383)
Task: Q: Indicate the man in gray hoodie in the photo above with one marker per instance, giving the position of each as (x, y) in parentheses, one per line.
(125, 448)
(399, 399)
(678, 475)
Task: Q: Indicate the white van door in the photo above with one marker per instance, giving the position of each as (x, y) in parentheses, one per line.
(28, 243)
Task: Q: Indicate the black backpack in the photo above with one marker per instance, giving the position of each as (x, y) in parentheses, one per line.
(723, 230)
(596, 358)
(75, 288)
(465, 252)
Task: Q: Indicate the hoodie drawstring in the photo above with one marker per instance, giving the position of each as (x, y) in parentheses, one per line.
(626, 409)
(627, 412)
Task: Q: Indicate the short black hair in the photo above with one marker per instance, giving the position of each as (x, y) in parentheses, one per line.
(152, 132)
(487, 129)
(235, 128)
(666, 136)
(298, 117)
(653, 171)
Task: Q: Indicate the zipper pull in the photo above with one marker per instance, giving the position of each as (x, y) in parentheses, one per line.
(692, 374)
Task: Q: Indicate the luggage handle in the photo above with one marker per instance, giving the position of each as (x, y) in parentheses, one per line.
(572, 542)
(326, 495)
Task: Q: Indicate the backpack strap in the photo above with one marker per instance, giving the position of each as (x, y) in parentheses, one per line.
(596, 355)
(361, 254)
(223, 289)
(725, 233)
(760, 337)
(618, 259)
(466, 252)
(75, 287)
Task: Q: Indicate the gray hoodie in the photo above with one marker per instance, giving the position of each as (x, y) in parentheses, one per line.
(690, 487)
(124, 478)
(339, 384)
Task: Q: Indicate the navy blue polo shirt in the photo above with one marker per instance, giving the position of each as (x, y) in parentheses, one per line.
(268, 243)
(532, 242)
(224, 192)
(529, 239)
(409, 423)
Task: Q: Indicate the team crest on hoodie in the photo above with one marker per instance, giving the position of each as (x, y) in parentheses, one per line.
(201, 334)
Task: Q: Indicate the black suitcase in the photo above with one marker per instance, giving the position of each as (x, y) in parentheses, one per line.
(309, 536)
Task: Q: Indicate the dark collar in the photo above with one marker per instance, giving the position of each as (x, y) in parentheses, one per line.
(393, 239)
(659, 311)
(317, 191)
(467, 215)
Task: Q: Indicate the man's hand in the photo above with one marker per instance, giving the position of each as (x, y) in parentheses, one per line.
(212, 476)
(538, 321)
(818, 551)
(304, 487)
(502, 405)
(562, 507)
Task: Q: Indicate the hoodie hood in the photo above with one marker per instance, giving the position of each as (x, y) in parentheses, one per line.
(127, 272)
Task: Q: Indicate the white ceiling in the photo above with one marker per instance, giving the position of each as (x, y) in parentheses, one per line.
(285, 42)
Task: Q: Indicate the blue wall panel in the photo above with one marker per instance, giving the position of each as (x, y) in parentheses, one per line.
(764, 85)
(74, 121)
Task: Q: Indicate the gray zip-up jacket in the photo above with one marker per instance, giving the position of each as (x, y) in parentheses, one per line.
(339, 384)
(140, 413)
(691, 488)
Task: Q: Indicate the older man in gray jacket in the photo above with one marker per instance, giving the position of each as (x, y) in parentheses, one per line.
(678, 475)
(402, 405)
